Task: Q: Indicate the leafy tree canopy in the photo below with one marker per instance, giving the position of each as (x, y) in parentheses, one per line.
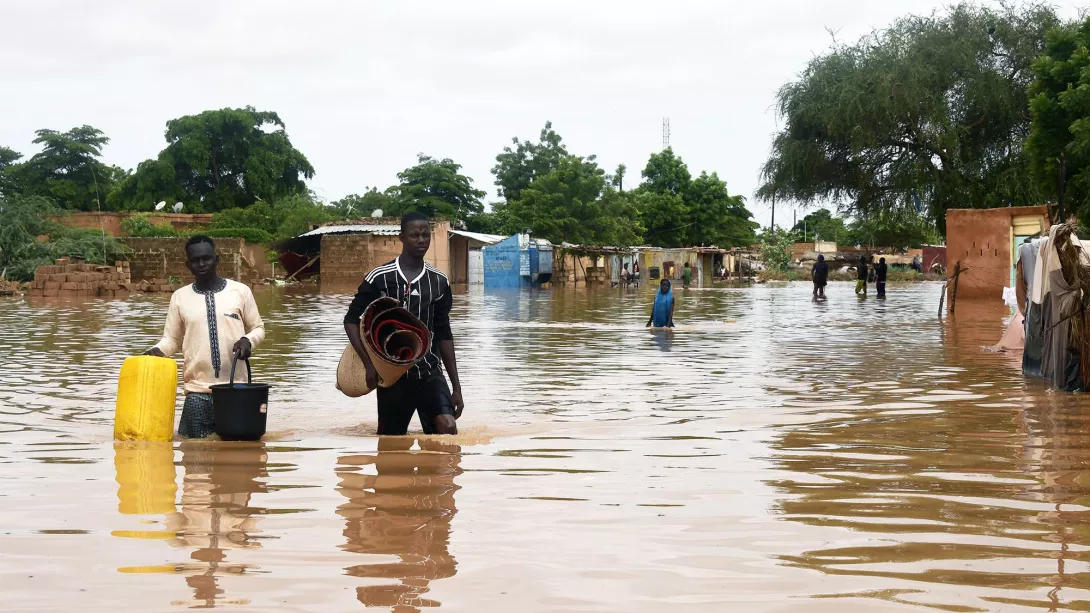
(679, 211)
(218, 160)
(572, 204)
(517, 167)
(821, 225)
(932, 107)
(436, 188)
(1060, 108)
(68, 170)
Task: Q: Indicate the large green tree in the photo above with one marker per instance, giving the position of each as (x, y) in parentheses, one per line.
(1059, 136)
(720, 219)
(8, 160)
(221, 159)
(932, 107)
(68, 170)
(821, 225)
(356, 206)
(517, 167)
(678, 211)
(436, 188)
(572, 204)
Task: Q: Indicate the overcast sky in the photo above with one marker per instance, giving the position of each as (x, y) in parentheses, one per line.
(364, 86)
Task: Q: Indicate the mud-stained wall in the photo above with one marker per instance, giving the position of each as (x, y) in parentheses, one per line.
(111, 222)
(981, 240)
(164, 258)
(346, 258)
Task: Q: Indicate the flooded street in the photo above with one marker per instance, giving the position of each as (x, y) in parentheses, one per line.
(772, 454)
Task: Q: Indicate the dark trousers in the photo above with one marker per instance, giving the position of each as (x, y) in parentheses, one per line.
(881, 289)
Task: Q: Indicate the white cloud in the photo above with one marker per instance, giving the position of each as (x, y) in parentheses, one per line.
(365, 86)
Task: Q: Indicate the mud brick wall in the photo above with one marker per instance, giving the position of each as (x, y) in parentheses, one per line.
(346, 258)
(111, 222)
(981, 240)
(164, 258)
(67, 279)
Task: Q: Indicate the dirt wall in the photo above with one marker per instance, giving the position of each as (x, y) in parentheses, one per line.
(346, 258)
(111, 222)
(164, 258)
(981, 240)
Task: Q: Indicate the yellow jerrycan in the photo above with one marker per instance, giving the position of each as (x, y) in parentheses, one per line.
(146, 391)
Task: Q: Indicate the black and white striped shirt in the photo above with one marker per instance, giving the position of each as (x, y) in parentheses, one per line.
(428, 296)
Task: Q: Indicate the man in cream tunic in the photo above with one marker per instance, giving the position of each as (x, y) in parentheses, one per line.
(210, 320)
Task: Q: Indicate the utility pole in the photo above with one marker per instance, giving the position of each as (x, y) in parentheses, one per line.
(665, 133)
(772, 226)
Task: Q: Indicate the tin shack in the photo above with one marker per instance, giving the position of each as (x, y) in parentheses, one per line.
(518, 261)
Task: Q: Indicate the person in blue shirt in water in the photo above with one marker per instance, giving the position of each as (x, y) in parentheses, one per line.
(662, 313)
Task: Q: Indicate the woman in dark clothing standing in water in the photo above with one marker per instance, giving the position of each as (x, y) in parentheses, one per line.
(820, 275)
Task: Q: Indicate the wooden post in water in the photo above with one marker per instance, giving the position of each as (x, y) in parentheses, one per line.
(954, 293)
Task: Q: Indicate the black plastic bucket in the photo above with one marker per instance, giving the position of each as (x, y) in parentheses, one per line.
(240, 409)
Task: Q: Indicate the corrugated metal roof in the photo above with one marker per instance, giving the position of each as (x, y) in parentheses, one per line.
(490, 239)
(382, 230)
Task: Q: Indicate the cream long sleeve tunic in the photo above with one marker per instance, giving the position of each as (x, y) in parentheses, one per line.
(205, 325)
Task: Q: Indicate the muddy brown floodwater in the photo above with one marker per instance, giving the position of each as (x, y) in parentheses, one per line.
(772, 454)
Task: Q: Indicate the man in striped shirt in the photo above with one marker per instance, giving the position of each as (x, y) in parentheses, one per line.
(425, 291)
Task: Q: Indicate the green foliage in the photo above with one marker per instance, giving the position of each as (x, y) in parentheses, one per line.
(517, 168)
(280, 220)
(665, 217)
(899, 227)
(8, 160)
(354, 206)
(1060, 107)
(435, 188)
(139, 226)
(154, 181)
(665, 173)
(254, 236)
(24, 219)
(776, 251)
(821, 225)
(67, 170)
(492, 222)
(679, 211)
(572, 204)
(933, 106)
(218, 160)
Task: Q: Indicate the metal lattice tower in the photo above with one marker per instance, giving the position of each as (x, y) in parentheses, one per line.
(665, 133)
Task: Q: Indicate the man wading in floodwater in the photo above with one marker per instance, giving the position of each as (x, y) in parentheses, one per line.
(861, 284)
(210, 321)
(820, 276)
(425, 292)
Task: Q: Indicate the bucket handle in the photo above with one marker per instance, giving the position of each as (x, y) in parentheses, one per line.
(249, 372)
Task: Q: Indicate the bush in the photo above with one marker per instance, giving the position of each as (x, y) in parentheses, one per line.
(139, 226)
(776, 249)
(254, 236)
(24, 220)
(280, 220)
